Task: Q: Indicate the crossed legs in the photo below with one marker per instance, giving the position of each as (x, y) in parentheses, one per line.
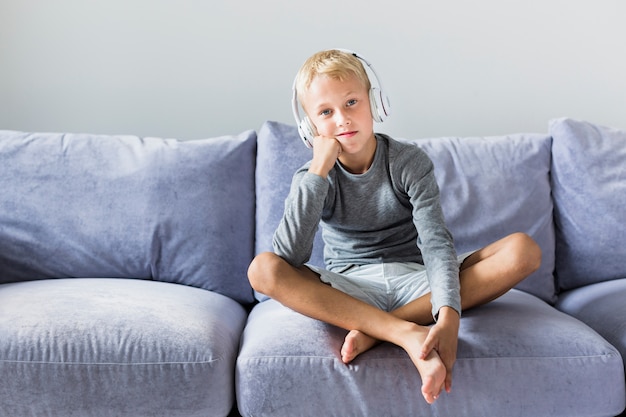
(485, 275)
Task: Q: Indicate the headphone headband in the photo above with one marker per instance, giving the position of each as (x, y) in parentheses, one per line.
(379, 103)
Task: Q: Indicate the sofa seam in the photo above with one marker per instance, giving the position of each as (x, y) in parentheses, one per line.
(607, 355)
(4, 361)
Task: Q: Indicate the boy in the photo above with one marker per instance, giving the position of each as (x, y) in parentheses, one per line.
(392, 269)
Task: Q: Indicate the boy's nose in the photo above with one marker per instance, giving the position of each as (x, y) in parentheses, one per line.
(342, 119)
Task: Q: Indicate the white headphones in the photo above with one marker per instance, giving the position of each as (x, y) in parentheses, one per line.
(379, 104)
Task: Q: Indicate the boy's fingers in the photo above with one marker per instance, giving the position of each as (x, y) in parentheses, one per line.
(448, 382)
(428, 346)
(448, 359)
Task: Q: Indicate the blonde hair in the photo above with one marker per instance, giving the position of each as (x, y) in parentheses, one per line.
(332, 63)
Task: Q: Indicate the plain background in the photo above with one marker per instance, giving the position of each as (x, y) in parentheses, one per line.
(192, 69)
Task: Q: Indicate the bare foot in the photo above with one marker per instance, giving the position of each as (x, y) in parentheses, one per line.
(431, 369)
(356, 343)
(433, 373)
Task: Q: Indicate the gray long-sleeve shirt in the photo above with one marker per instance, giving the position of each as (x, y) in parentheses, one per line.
(391, 213)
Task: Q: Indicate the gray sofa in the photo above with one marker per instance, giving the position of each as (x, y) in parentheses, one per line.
(123, 287)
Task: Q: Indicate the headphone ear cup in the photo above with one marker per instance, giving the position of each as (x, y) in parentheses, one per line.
(307, 132)
(379, 104)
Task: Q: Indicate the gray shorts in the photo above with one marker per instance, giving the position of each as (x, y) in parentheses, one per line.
(387, 286)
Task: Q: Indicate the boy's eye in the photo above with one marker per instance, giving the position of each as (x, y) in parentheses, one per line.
(351, 102)
(324, 112)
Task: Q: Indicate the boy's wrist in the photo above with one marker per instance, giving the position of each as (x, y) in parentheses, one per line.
(313, 169)
(448, 315)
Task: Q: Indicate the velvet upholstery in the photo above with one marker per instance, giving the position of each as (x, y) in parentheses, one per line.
(602, 307)
(174, 221)
(124, 206)
(494, 186)
(114, 347)
(589, 189)
(517, 356)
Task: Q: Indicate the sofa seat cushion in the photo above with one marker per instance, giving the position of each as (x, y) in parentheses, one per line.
(113, 347)
(517, 356)
(490, 187)
(589, 188)
(81, 205)
(602, 307)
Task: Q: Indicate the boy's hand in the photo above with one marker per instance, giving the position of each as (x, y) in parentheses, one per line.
(443, 338)
(325, 153)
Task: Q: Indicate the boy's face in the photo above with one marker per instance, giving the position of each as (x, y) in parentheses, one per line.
(341, 110)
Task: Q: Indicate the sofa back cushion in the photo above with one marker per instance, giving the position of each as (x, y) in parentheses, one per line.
(490, 187)
(123, 206)
(589, 188)
(494, 186)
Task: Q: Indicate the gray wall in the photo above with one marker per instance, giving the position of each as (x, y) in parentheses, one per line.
(191, 68)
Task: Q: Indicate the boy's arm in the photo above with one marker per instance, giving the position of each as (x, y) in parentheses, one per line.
(293, 239)
(434, 239)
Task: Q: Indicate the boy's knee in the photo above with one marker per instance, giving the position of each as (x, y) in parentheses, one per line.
(262, 270)
(528, 252)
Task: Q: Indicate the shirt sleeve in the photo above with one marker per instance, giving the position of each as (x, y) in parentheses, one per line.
(434, 239)
(293, 239)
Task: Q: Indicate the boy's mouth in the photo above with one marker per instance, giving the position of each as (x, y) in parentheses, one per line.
(347, 134)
